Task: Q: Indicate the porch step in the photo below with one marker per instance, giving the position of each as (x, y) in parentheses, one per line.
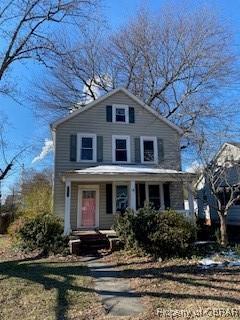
(91, 241)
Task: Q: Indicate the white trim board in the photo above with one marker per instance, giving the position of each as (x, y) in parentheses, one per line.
(55, 124)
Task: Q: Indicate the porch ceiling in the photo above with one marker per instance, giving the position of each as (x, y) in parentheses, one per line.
(126, 173)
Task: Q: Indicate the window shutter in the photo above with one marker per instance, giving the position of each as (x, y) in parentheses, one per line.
(99, 149)
(166, 191)
(160, 150)
(131, 115)
(73, 147)
(137, 150)
(109, 113)
(109, 202)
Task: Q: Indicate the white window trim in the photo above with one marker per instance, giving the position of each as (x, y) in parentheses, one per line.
(148, 138)
(114, 194)
(122, 106)
(114, 138)
(79, 146)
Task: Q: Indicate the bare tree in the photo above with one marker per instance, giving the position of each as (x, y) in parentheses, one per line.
(7, 163)
(177, 63)
(220, 184)
(27, 29)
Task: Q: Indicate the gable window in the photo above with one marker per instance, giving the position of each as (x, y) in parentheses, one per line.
(87, 147)
(120, 148)
(120, 113)
(148, 149)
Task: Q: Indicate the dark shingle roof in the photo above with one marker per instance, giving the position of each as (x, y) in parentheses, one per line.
(236, 144)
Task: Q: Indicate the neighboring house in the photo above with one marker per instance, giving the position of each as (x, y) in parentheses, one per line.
(228, 155)
(114, 153)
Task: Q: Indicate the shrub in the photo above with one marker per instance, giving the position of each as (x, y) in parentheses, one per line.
(15, 226)
(43, 232)
(161, 234)
(5, 220)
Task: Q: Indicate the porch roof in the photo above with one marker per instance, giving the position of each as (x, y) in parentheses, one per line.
(107, 172)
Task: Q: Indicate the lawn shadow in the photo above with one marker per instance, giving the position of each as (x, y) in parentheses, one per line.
(188, 275)
(45, 272)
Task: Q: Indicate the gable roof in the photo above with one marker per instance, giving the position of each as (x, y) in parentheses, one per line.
(55, 124)
(224, 145)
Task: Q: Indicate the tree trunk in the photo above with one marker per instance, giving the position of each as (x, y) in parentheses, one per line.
(223, 229)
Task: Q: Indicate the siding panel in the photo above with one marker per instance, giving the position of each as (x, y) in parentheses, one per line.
(94, 121)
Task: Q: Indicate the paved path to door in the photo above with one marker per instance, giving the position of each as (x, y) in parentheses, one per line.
(117, 297)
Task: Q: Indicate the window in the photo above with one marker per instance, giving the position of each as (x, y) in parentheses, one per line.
(154, 195)
(121, 148)
(121, 198)
(148, 149)
(120, 113)
(87, 147)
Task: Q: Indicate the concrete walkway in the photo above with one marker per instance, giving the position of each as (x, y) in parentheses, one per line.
(117, 297)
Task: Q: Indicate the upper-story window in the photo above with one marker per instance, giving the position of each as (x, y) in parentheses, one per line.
(120, 113)
(121, 148)
(148, 149)
(87, 147)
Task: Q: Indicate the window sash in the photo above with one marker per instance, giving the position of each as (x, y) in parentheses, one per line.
(148, 149)
(86, 152)
(121, 198)
(86, 147)
(121, 149)
(121, 155)
(120, 115)
(87, 142)
(121, 144)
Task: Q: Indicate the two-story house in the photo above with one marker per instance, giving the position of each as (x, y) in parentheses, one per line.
(114, 153)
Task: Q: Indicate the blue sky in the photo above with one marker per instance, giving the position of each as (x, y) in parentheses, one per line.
(24, 128)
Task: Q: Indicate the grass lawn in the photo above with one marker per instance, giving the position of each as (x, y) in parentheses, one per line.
(52, 288)
(181, 285)
(61, 288)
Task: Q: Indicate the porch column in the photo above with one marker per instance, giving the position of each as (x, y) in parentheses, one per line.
(190, 200)
(162, 197)
(67, 224)
(133, 195)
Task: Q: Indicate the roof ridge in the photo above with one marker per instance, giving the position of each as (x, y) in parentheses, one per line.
(109, 94)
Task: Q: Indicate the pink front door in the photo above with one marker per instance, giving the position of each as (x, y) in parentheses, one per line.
(88, 208)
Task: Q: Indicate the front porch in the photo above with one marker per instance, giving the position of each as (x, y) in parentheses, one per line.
(85, 241)
(94, 196)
